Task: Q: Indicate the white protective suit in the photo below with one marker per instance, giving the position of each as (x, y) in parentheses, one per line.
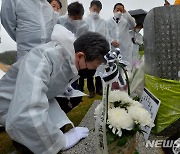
(28, 109)
(28, 22)
(138, 41)
(77, 30)
(98, 25)
(120, 32)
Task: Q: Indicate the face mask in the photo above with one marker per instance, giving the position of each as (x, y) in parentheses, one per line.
(94, 15)
(137, 30)
(83, 73)
(117, 15)
(75, 23)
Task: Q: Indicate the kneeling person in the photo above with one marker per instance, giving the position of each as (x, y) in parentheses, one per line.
(28, 110)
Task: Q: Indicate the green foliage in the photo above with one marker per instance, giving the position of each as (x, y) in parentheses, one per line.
(136, 98)
(117, 103)
(8, 57)
(136, 152)
(141, 53)
(141, 47)
(122, 141)
(110, 137)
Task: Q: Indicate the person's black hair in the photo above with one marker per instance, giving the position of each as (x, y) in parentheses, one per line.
(97, 3)
(94, 46)
(58, 1)
(117, 5)
(75, 8)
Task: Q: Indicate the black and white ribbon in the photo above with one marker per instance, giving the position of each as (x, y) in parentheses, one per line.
(112, 73)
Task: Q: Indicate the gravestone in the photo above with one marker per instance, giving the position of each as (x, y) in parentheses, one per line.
(162, 42)
(162, 62)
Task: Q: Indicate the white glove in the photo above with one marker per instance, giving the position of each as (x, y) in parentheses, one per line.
(74, 135)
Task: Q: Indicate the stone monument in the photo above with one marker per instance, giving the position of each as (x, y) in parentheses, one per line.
(162, 62)
(162, 42)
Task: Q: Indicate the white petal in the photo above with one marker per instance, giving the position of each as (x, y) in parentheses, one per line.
(114, 130)
(120, 133)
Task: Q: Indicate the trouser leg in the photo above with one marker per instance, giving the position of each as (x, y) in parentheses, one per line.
(98, 84)
(81, 84)
(90, 81)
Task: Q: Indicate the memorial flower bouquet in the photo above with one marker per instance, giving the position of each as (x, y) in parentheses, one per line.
(125, 117)
(118, 116)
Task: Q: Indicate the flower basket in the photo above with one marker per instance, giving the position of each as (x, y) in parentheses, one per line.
(118, 116)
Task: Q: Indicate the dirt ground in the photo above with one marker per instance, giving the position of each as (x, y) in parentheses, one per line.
(4, 67)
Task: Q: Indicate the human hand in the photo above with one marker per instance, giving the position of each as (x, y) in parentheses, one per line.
(115, 43)
(134, 40)
(123, 11)
(74, 135)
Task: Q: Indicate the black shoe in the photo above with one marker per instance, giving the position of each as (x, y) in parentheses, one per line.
(99, 92)
(21, 148)
(2, 128)
(91, 94)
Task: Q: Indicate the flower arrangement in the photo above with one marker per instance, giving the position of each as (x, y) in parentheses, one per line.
(124, 118)
(118, 116)
(125, 113)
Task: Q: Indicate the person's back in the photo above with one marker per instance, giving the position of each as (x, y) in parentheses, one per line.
(28, 109)
(29, 23)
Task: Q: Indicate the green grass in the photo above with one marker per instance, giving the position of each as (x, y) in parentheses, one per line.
(75, 115)
(8, 57)
(79, 112)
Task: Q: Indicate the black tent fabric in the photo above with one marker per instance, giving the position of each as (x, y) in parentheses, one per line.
(139, 15)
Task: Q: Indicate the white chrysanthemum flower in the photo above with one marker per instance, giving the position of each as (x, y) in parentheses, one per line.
(141, 116)
(136, 103)
(118, 118)
(114, 96)
(118, 95)
(98, 109)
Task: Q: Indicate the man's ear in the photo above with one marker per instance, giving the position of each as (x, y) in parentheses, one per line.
(80, 54)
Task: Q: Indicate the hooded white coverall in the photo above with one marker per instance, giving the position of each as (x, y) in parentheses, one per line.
(139, 41)
(120, 32)
(77, 30)
(28, 22)
(28, 109)
(98, 25)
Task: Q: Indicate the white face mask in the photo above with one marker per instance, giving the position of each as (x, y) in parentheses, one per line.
(117, 15)
(94, 15)
(75, 23)
(137, 30)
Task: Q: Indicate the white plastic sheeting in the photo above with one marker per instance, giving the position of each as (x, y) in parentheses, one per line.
(1, 73)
